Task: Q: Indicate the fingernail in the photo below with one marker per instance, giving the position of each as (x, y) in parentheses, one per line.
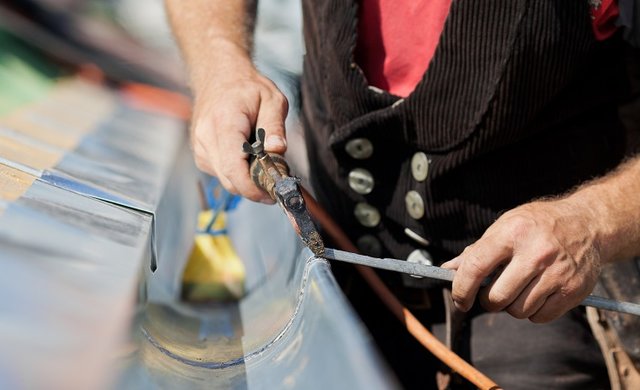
(275, 142)
(268, 201)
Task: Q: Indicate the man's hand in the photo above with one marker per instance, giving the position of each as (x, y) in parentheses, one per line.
(545, 256)
(231, 97)
(226, 111)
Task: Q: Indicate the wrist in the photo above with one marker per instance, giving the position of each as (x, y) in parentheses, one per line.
(603, 220)
(223, 61)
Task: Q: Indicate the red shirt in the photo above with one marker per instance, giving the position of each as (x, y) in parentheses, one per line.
(397, 38)
(603, 16)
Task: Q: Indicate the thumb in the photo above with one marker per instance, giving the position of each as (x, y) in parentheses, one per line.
(275, 141)
(271, 116)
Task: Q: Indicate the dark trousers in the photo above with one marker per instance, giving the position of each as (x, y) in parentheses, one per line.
(516, 354)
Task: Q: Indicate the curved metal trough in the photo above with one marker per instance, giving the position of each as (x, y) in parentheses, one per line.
(81, 308)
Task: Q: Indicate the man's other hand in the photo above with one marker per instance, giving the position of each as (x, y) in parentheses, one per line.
(543, 258)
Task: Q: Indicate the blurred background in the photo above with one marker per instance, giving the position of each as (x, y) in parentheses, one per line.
(130, 41)
(125, 36)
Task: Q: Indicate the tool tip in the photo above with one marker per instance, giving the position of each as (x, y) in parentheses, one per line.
(317, 249)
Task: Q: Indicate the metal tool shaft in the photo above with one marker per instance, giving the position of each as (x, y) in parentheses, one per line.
(430, 271)
(271, 173)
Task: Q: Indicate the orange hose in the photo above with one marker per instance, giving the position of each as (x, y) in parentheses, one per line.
(413, 325)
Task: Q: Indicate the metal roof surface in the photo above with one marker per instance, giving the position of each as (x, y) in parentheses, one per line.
(81, 308)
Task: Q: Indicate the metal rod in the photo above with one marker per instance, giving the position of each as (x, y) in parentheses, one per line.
(612, 305)
(430, 271)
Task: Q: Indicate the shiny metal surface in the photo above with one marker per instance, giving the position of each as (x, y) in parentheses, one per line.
(82, 308)
(73, 247)
(120, 160)
(70, 269)
(292, 338)
(405, 267)
(290, 330)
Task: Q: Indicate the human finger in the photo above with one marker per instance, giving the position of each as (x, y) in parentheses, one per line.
(531, 298)
(227, 184)
(565, 296)
(509, 284)
(477, 262)
(233, 165)
(203, 163)
(271, 116)
(452, 264)
(554, 306)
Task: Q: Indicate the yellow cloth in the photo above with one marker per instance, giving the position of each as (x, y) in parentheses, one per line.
(214, 271)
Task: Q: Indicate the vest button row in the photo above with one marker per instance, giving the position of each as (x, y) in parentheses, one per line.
(361, 181)
(419, 171)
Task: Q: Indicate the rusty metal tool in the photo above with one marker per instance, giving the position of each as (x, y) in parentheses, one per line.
(271, 172)
(447, 275)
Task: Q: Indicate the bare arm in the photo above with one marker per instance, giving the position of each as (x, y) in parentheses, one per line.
(548, 254)
(214, 35)
(615, 201)
(231, 97)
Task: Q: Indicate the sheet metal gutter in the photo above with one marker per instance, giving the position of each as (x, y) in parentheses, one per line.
(80, 307)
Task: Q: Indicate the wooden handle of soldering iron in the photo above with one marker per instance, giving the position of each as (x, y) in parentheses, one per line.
(277, 167)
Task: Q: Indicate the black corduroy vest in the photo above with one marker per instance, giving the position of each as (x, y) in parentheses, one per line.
(519, 102)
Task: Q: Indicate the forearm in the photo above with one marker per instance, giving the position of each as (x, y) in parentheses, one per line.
(232, 98)
(214, 36)
(614, 201)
